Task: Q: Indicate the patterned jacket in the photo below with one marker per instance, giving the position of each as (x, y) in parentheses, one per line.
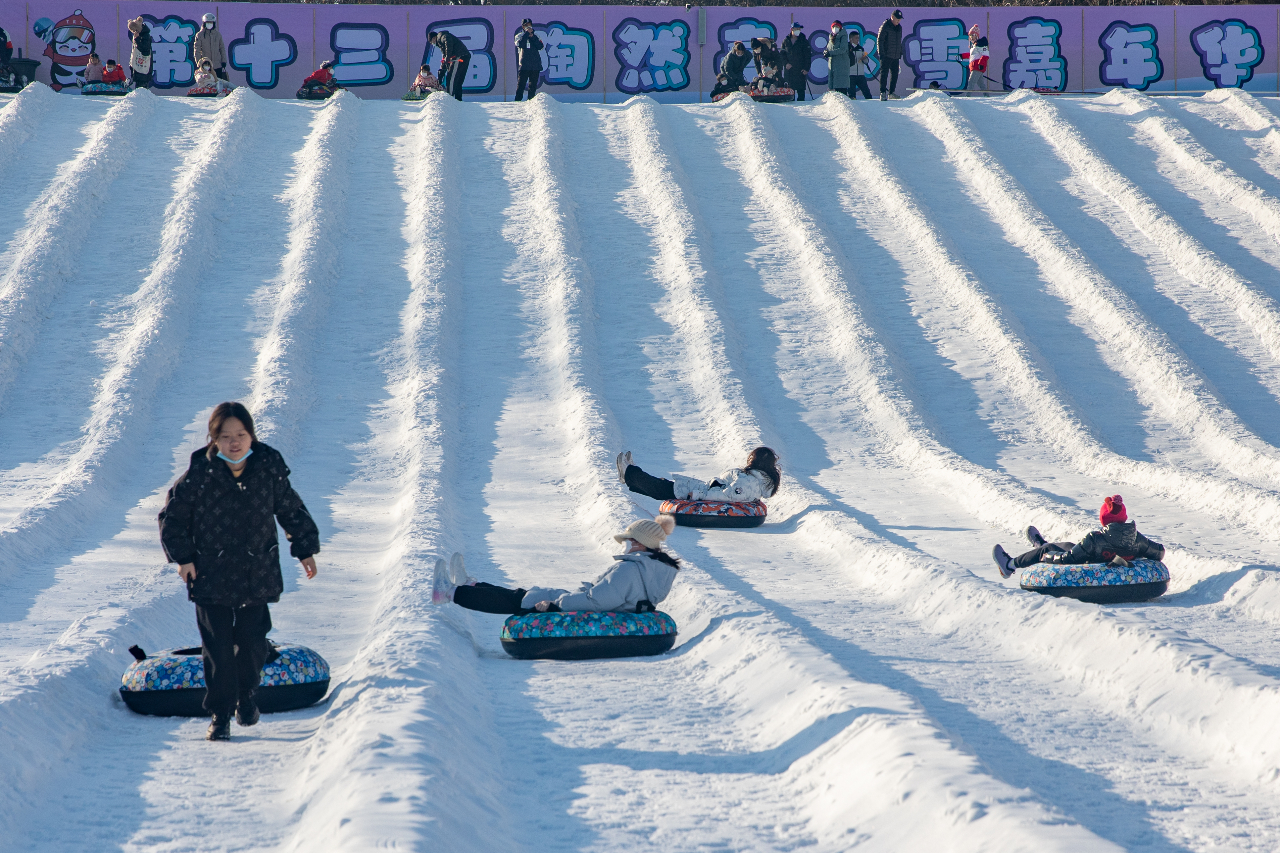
(733, 486)
(226, 526)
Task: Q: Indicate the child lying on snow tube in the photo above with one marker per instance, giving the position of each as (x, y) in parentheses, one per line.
(642, 575)
(731, 500)
(1118, 539)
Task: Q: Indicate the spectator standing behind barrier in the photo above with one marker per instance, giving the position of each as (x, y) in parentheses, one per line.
(889, 42)
(734, 65)
(978, 53)
(529, 60)
(454, 61)
(837, 54)
(140, 56)
(859, 65)
(219, 526)
(208, 45)
(798, 54)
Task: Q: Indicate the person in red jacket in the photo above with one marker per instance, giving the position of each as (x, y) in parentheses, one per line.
(979, 53)
(113, 73)
(322, 76)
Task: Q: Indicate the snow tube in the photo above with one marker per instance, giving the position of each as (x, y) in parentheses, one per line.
(716, 513)
(317, 93)
(171, 684)
(1099, 583)
(104, 89)
(418, 96)
(207, 91)
(777, 96)
(586, 635)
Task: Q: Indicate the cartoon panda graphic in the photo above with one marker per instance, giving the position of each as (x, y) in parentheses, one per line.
(70, 41)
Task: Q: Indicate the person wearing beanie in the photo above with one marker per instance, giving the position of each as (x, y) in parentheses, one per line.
(837, 54)
(889, 43)
(797, 53)
(528, 59)
(979, 52)
(759, 479)
(1117, 541)
(639, 579)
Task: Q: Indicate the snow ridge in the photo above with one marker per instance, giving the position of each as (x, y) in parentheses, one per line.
(19, 115)
(47, 246)
(317, 204)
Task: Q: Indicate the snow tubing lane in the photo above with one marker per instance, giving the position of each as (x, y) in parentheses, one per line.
(1099, 583)
(171, 684)
(586, 635)
(716, 513)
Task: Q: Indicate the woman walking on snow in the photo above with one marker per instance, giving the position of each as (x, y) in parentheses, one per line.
(1118, 539)
(219, 526)
(760, 478)
(639, 579)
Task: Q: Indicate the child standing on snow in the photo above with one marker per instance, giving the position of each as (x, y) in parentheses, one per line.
(638, 580)
(978, 55)
(1118, 539)
(759, 479)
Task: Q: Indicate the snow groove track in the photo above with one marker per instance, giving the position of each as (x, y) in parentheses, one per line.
(145, 350)
(450, 317)
(48, 244)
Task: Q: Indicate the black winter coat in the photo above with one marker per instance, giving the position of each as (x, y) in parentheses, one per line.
(527, 47)
(142, 40)
(889, 40)
(226, 526)
(766, 55)
(797, 52)
(735, 66)
(453, 47)
(1117, 539)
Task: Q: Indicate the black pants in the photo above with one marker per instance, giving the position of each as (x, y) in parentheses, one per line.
(858, 83)
(796, 80)
(888, 72)
(221, 73)
(142, 81)
(1033, 556)
(458, 76)
(488, 598)
(649, 485)
(235, 649)
(529, 78)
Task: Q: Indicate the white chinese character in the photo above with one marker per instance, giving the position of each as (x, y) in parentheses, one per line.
(1034, 60)
(1132, 59)
(170, 44)
(566, 55)
(261, 53)
(933, 51)
(654, 56)
(1228, 52)
(361, 53)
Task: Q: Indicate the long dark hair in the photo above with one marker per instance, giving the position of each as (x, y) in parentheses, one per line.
(221, 413)
(764, 460)
(662, 557)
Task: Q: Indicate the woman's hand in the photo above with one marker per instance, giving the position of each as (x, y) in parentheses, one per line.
(542, 606)
(187, 571)
(309, 566)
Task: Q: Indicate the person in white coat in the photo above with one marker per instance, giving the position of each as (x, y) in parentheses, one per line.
(637, 581)
(759, 478)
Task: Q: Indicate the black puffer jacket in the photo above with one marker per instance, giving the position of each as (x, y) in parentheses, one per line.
(1117, 539)
(453, 48)
(527, 47)
(227, 527)
(889, 40)
(798, 52)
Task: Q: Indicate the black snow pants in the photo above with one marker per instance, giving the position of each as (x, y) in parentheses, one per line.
(648, 485)
(530, 78)
(796, 80)
(488, 598)
(889, 76)
(1034, 556)
(458, 75)
(235, 649)
(858, 83)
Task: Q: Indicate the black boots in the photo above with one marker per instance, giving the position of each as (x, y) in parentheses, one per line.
(220, 728)
(247, 713)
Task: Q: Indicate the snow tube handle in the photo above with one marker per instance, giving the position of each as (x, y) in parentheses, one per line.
(644, 605)
(138, 654)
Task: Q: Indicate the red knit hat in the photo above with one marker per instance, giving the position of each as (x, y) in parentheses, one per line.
(1113, 510)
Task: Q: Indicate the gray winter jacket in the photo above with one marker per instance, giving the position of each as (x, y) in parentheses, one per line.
(837, 54)
(734, 486)
(208, 43)
(632, 579)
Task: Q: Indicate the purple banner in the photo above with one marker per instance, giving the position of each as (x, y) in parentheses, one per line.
(605, 54)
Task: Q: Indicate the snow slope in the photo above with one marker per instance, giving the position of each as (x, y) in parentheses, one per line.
(952, 318)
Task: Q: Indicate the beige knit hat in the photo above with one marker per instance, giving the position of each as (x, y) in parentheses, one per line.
(650, 534)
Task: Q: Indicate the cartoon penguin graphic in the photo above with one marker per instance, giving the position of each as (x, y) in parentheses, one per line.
(70, 41)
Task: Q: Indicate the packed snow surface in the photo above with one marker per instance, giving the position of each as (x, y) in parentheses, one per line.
(952, 318)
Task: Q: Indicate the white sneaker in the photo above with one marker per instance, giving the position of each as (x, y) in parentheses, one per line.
(624, 462)
(1003, 561)
(458, 571)
(441, 588)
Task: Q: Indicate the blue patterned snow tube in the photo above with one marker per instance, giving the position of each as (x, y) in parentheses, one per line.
(1099, 583)
(171, 684)
(585, 635)
(104, 89)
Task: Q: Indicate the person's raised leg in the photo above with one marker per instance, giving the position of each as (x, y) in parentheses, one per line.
(648, 485)
(487, 598)
(1035, 555)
